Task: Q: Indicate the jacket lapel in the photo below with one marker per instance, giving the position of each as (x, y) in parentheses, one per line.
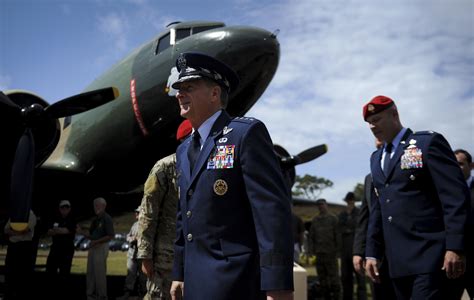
(209, 144)
(398, 153)
(378, 172)
(183, 158)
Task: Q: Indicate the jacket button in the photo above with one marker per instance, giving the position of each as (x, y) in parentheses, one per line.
(387, 185)
(412, 177)
(190, 193)
(189, 237)
(390, 219)
(188, 214)
(388, 200)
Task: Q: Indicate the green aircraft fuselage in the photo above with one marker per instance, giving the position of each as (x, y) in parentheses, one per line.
(112, 148)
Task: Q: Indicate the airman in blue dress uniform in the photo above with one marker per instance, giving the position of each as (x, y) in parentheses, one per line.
(420, 212)
(234, 237)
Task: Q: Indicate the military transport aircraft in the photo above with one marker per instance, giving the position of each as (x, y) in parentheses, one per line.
(104, 142)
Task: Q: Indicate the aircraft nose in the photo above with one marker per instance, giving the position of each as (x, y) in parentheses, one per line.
(254, 54)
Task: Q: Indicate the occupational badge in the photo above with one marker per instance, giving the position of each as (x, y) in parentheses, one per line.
(220, 187)
(226, 130)
(222, 140)
(412, 157)
(221, 158)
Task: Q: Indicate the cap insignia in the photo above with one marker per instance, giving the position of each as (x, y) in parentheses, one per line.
(182, 62)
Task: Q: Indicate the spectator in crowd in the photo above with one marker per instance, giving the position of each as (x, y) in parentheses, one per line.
(19, 261)
(347, 226)
(466, 281)
(298, 236)
(135, 279)
(101, 231)
(324, 242)
(61, 253)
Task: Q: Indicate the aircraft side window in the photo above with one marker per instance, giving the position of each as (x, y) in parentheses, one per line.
(204, 28)
(163, 43)
(182, 33)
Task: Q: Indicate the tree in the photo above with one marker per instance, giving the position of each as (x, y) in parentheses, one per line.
(310, 186)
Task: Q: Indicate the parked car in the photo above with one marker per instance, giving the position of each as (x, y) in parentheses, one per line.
(125, 246)
(116, 243)
(78, 239)
(43, 246)
(85, 244)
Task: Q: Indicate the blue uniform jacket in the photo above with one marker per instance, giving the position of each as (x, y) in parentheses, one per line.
(234, 237)
(422, 205)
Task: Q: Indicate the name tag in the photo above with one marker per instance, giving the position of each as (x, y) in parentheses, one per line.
(221, 158)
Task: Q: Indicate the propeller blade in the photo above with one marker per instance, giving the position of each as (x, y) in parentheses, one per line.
(310, 154)
(22, 181)
(8, 106)
(82, 102)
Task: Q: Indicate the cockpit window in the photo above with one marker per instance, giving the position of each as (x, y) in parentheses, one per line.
(177, 34)
(182, 33)
(163, 43)
(204, 28)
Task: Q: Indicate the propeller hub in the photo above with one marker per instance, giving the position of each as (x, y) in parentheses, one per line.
(32, 113)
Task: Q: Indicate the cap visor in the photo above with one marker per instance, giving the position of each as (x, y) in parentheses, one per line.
(178, 82)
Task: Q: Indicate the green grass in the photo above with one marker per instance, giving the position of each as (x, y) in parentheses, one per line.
(116, 262)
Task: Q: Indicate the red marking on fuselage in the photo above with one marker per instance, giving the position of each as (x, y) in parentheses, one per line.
(136, 109)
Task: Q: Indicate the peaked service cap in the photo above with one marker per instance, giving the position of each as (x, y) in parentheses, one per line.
(193, 65)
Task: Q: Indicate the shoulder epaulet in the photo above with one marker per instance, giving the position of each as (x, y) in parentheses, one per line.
(244, 119)
(425, 132)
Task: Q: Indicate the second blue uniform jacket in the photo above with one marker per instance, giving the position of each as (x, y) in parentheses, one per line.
(421, 207)
(234, 237)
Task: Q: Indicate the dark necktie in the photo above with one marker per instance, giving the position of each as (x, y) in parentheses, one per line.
(386, 162)
(194, 149)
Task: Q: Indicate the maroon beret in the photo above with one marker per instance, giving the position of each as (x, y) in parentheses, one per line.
(376, 105)
(184, 130)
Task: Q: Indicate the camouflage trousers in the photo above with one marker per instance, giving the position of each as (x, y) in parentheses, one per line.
(328, 274)
(158, 287)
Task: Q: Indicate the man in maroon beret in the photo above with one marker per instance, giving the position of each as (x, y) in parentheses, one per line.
(184, 130)
(420, 213)
(376, 105)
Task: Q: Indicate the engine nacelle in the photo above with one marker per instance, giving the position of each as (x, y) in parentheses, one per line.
(47, 131)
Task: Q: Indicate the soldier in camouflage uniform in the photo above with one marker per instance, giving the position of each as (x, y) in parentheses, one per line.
(347, 225)
(157, 223)
(324, 242)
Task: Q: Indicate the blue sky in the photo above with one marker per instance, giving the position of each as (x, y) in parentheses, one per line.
(335, 56)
